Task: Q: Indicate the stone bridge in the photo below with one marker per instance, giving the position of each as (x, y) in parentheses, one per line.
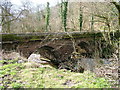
(57, 45)
(64, 50)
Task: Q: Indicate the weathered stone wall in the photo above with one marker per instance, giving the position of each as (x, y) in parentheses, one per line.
(73, 51)
(87, 44)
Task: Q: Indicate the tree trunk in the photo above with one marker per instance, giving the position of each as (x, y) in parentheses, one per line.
(117, 5)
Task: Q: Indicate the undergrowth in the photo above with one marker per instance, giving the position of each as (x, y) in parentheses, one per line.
(19, 75)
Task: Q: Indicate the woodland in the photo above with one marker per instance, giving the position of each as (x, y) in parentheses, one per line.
(64, 17)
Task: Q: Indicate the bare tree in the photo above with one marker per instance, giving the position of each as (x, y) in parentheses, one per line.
(117, 5)
(6, 15)
(64, 9)
(47, 16)
(80, 18)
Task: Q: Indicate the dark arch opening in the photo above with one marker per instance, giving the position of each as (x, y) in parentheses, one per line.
(83, 45)
(87, 49)
(55, 58)
(50, 53)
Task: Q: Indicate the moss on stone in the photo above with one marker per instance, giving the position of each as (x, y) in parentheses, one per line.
(41, 36)
(10, 37)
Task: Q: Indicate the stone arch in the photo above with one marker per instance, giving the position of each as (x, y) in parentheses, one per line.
(83, 45)
(48, 52)
(85, 49)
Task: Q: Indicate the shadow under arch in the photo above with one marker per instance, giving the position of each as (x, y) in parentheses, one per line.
(49, 53)
(87, 48)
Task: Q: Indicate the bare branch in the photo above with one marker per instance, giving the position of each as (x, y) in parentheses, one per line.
(13, 19)
(116, 5)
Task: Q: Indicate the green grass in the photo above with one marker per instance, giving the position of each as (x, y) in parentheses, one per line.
(24, 76)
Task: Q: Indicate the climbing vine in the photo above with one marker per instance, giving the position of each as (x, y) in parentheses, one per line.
(47, 18)
(63, 12)
(81, 19)
(92, 22)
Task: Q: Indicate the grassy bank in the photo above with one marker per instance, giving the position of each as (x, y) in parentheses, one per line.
(27, 75)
